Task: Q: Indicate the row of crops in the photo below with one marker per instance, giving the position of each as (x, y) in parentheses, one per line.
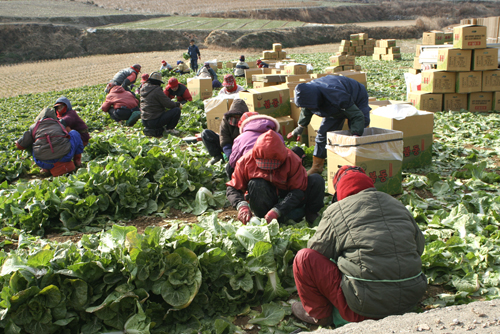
(199, 278)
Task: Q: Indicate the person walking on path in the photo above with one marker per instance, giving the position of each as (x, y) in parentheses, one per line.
(194, 53)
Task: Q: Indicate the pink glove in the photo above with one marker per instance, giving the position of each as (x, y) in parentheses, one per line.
(244, 213)
(272, 214)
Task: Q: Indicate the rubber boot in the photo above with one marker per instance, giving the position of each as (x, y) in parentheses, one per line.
(77, 159)
(317, 166)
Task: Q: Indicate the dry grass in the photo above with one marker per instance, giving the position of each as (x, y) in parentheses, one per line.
(193, 7)
(87, 71)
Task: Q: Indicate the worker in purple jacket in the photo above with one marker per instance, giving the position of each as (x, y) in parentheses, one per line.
(70, 119)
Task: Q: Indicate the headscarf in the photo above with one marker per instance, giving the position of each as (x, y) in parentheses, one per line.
(46, 113)
(229, 81)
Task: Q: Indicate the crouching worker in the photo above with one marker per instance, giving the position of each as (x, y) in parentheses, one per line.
(277, 183)
(363, 261)
(121, 105)
(159, 113)
(70, 119)
(53, 148)
(335, 98)
(223, 143)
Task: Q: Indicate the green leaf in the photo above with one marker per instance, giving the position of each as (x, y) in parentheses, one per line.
(271, 315)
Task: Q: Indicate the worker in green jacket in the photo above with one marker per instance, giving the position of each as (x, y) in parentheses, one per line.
(363, 262)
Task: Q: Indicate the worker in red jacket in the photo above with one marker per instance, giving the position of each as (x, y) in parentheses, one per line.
(122, 105)
(277, 183)
(176, 89)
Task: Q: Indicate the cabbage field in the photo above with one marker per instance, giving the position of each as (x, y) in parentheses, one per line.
(216, 276)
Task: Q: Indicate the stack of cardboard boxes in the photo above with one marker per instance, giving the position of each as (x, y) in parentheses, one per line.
(467, 76)
(342, 63)
(358, 45)
(386, 49)
(276, 53)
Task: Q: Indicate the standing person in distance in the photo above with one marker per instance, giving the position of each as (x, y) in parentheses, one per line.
(126, 77)
(240, 67)
(335, 99)
(194, 53)
(159, 113)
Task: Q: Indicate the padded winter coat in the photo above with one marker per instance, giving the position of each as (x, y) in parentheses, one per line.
(118, 98)
(372, 237)
(154, 102)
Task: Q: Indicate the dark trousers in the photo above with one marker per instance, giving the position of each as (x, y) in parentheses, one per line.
(168, 119)
(121, 114)
(194, 64)
(263, 197)
(211, 141)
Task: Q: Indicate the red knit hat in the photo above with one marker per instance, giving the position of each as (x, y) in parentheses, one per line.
(258, 61)
(163, 62)
(228, 80)
(350, 180)
(245, 116)
(144, 77)
(173, 82)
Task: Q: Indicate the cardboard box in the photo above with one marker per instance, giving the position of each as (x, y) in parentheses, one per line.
(270, 78)
(379, 152)
(250, 72)
(416, 63)
(258, 84)
(491, 81)
(357, 68)
(377, 56)
(417, 51)
(454, 102)
(344, 48)
(435, 81)
(290, 86)
(277, 47)
(395, 56)
(480, 102)
(426, 101)
(347, 67)
(485, 59)
(433, 38)
(282, 55)
(345, 42)
(469, 37)
(387, 43)
(354, 37)
(414, 71)
(332, 70)
(252, 64)
(363, 36)
(371, 41)
(269, 55)
(468, 82)
(215, 108)
(294, 69)
(377, 104)
(286, 126)
(295, 114)
(273, 101)
(319, 75)
(350, 60)
(231, 64)
(337, 60)
(200, 88)
(448, 37)
(496, 101)
(380, 51)
(275, 71)
(296, 78)
(393, 50)
(417, 136)
(454, 60)
(358, 76)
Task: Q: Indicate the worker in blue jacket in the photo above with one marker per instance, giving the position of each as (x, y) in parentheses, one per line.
(335, 98)
(194, 53)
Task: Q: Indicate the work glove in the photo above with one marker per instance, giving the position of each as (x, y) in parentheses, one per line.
(272, 214)
(296, 132)
(244, 212)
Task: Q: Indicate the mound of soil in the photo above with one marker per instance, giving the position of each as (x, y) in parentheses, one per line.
(219, 38)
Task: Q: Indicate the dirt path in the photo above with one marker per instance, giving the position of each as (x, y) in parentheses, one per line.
(55, 75)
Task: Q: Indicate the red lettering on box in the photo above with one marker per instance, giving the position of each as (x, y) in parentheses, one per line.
(267, 104)
(422, 144)
(373, 176)
(275, 103)
(416, 150)
(383, 175)
(406, 151)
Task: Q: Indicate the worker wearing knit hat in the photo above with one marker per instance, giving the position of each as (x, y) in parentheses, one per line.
(230, 86)
(126, 77)
(165, 66)
(366, 241)
(240, 67)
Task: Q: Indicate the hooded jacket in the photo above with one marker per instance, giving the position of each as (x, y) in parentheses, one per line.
(228, 132)
(334, 96)
(290, 176)
(48, 129)
(71, 119)
(154, 102)
(250, 130)
(371, 236)
(118, 98)
(125, 77)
